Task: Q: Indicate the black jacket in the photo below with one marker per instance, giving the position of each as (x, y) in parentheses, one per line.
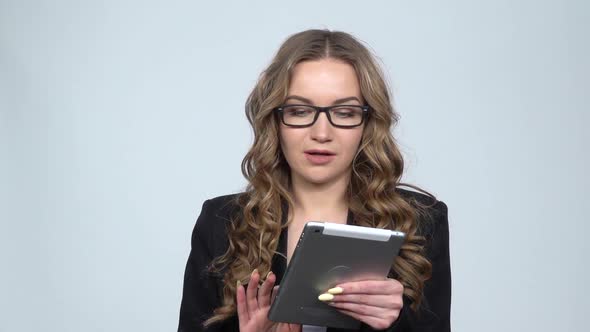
(202, 290)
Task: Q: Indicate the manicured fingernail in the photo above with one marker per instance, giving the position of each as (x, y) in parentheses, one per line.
(238, 283)
(255, 271)
(335, 290)
(268, 274)
(326, 297)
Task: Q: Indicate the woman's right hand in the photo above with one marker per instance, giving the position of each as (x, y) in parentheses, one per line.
(254, 304)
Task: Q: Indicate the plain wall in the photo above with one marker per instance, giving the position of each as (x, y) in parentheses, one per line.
(119, 118)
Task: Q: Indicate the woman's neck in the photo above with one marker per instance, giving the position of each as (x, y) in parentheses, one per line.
(321, 201)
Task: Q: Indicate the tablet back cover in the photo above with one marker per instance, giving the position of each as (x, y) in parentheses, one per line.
(325, 257)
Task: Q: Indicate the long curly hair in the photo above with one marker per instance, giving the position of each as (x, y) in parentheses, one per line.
(375, 171)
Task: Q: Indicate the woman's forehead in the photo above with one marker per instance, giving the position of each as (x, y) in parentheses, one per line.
(324, 81)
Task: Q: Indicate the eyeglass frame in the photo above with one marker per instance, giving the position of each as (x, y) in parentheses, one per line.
(320, 109)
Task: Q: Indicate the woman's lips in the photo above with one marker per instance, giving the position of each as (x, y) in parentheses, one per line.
(319, 159)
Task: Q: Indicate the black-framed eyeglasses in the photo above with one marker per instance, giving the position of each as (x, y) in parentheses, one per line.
(340, 116)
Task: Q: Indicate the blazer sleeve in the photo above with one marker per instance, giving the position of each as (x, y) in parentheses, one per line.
(200, 289)
(434, 313)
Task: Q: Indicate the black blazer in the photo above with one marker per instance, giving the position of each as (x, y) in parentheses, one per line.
(202, 290)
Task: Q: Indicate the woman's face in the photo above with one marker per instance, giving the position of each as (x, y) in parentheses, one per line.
(323, 82)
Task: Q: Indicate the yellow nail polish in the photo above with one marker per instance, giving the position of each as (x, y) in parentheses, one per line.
(326, 297)
(335, 290)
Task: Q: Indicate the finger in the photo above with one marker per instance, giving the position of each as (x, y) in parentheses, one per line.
(275, 290)
(376, 300)
(243, 315)
(265, 290)
(252, 291)
(363, 309)
(387, 286)
(374, 322)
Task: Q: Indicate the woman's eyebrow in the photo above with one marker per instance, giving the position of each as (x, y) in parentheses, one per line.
(343, 100)
(337, 101)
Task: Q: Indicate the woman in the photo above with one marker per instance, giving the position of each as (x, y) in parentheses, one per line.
(323, 150)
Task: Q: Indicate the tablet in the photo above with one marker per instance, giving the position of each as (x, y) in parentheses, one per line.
(328, 254)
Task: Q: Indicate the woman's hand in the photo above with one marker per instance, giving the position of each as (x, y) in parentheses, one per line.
(377, 303)
(254, 304)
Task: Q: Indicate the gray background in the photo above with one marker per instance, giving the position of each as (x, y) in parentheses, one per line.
(119, 118)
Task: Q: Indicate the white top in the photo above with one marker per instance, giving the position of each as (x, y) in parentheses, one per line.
(312, 328)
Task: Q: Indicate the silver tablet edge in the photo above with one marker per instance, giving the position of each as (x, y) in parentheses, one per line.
(358, 232)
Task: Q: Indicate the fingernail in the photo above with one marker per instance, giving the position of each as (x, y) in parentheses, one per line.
(268, 274)
(238, 283)
(255, 271)
(326, 297)
(335, 290)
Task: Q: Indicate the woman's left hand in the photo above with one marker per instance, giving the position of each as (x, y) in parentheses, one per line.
(377, 303)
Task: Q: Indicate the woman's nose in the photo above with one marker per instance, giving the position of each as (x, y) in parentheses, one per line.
(321, 130)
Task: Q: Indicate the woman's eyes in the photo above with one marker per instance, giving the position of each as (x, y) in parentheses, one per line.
(343, 112)
(299, 112)
(346, 112)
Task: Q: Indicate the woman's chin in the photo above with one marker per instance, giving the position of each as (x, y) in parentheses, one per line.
(318, 179)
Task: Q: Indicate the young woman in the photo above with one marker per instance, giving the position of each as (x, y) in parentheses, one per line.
(323, 150)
